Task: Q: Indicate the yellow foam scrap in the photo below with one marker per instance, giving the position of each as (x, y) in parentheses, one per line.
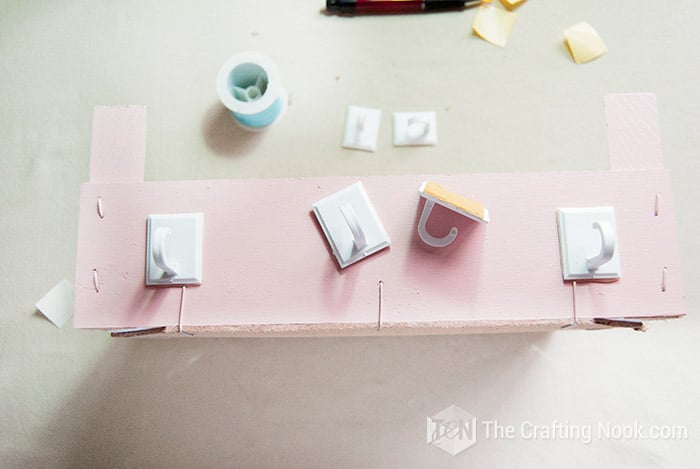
(512, 4)
(493, 24)
(456, 202)
(584, 43)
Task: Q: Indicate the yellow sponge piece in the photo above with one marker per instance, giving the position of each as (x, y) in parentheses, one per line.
(456, 202)
(584, 43)
(512, 4)
(493, 24)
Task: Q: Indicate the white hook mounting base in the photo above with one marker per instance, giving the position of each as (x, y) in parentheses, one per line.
(174, 249)
(351, 225)
(361, 128)
(588, 243)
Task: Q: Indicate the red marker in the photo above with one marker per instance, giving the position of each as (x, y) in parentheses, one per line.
(360, 7)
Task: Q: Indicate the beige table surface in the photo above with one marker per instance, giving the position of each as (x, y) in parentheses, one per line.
(73, 398)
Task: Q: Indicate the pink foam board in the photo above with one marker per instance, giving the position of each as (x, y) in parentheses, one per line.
(634, 140)
(268, 268)
(266, 260)
(118, 144)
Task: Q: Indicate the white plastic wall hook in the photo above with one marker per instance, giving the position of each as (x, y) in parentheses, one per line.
(174, 249)
(351, 225)
(158, 251)
(415, 128)
(418, 127)
(435, 194)
(361, 128)
(359, 238)
(429, 239)
(588, 243)
(608, 240)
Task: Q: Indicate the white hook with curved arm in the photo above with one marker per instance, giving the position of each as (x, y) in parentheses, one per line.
(436, 194)
(359, 238)
(174, 249)
(351, 225)
(589, 243)
(415, 128)
(427, 237)
(158, 251)
(608, 240)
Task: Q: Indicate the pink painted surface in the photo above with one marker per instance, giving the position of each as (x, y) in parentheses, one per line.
(118, 144)
(634, 140)
(267, 262)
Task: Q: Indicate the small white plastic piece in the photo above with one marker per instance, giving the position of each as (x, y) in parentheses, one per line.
(361, 128)
(351, 225)
(174, 249)
(415, 128)
(588, 243)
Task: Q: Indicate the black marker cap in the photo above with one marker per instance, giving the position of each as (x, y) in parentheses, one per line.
(342, 6)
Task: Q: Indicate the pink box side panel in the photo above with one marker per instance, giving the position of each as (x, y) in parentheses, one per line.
(266, 260)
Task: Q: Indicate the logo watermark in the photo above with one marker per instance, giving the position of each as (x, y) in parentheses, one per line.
(454, 430)
(584, 433)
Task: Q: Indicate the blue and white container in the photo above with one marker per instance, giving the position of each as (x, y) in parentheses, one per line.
(248, 84)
